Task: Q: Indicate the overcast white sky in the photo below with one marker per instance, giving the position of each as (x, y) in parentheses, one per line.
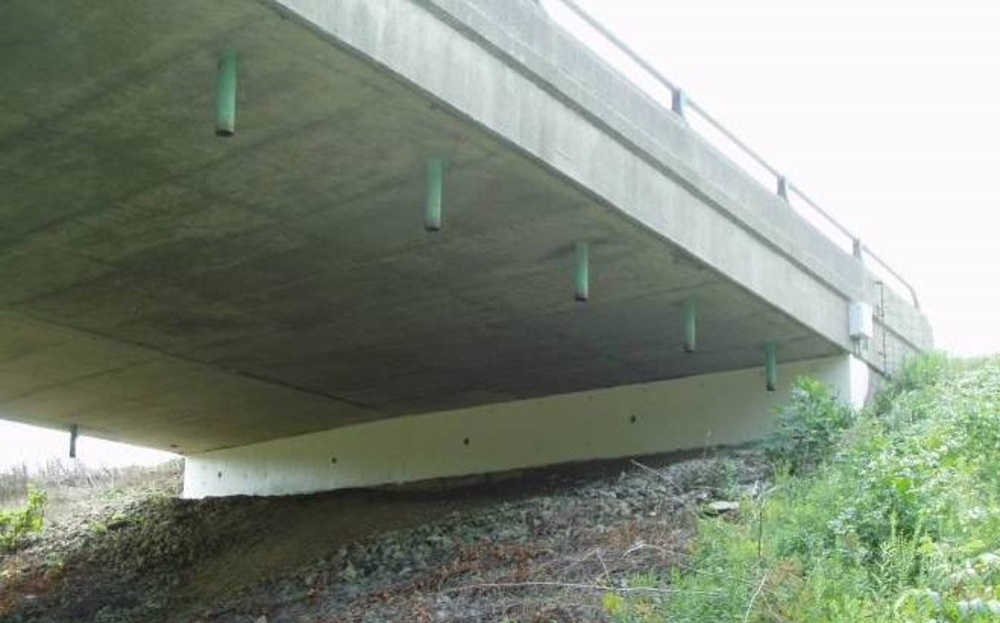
(887, 112)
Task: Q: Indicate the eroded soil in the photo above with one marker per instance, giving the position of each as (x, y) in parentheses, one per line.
(544, 545)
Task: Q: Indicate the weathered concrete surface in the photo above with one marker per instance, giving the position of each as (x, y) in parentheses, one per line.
(722, 408)
(170, 288)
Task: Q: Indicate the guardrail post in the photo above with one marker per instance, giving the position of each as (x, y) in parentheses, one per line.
(858, 249)
(678, 103)
(783, 187)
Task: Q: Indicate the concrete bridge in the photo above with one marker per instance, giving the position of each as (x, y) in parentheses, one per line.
(314, 244)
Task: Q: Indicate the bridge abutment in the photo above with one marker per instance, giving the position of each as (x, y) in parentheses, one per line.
(722, 408)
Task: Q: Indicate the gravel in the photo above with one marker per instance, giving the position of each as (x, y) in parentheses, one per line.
(546, 545)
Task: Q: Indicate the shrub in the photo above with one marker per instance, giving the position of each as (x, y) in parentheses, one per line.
(808, 427)
(16, 525)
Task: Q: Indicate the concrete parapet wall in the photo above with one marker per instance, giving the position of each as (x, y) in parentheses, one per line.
(901, 330)
(713, 409)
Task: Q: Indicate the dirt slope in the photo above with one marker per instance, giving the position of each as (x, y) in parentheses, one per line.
(540, 546)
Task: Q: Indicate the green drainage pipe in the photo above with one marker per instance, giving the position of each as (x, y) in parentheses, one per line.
(582, 272)
(74, 431)
(225, 112)
(435, 182)
(771, 366)
(690, 325)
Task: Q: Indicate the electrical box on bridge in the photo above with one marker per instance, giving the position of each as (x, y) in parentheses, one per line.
(862, 321)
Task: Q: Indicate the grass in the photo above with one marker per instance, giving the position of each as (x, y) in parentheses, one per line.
(890, 515)
(69, 478)
(32, 499)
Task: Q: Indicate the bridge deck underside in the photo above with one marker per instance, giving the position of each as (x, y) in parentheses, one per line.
(164, 286)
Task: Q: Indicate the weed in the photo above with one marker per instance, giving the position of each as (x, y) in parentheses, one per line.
(641, 597)
(17, 525)
(60, 475)
(922, 371)
(889, 516)
(808, 427)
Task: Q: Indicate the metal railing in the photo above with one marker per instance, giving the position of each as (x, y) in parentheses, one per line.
(682, 105)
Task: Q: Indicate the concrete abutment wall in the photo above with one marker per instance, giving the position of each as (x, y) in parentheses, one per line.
(713, 409)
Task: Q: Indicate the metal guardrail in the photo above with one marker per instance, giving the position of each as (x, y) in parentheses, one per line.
(681, 104)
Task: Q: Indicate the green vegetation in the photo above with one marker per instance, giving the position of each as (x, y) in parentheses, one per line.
(892, 515)
(16, 525)
(808, 427)
(51, 491)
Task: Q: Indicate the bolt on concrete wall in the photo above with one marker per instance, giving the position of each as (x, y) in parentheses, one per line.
(713, 409)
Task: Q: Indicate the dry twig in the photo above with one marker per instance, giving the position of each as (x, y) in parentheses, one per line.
(572, 585)
(753, 598)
